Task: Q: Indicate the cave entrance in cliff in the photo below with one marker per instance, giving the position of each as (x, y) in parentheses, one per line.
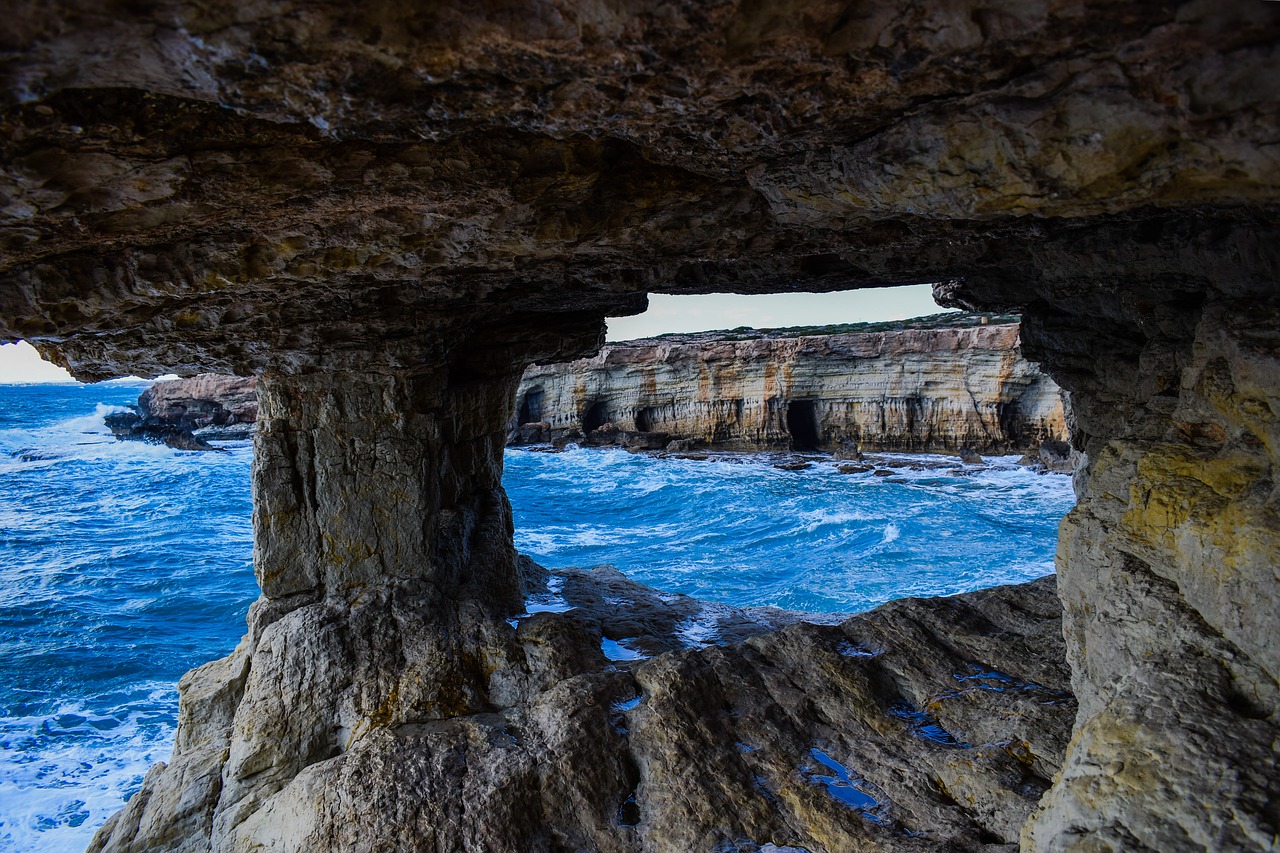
(531, 405)
(594, 417)
(802, 424)
(644, 419)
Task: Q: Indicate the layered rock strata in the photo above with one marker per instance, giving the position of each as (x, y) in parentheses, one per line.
(927, 390)
(390, 211)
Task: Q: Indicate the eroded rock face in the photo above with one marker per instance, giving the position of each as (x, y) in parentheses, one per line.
(925, 725)
(401, 207)
(1168, 574)
(276, 186)
(186, 413)
(209, 404)
(930, 390)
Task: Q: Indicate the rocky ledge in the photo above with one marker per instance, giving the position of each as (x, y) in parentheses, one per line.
(622, 719)
(187, 414)
(938, 384)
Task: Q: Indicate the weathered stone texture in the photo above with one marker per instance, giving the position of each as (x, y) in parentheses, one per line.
(271, 184)
(696, 748)
(1169, 577)
(390, 210)
(921, 390)
(208, 404)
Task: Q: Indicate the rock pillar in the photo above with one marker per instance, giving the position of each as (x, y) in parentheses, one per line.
(383, 481)
(1167, 570)
(383, 545)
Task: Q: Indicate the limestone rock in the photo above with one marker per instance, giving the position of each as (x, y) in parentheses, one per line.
(932, 390)
(133, 426)
(924, 725)
(289, 186)
(185, 413)
(208, 405)
(391, 210)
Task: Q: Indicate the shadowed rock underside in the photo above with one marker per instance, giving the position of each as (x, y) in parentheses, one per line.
(388, 212)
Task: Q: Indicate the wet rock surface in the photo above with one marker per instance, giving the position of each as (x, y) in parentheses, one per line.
(186, 414)
(209, 406)
(620, 718)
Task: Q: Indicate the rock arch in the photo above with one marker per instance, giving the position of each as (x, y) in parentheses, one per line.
(388, 215)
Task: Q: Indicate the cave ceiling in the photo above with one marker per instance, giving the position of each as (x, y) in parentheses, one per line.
(274, 184)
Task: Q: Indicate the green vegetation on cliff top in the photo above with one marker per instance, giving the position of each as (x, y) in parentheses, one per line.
(947, 320)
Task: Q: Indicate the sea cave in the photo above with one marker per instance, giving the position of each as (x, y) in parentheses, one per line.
(386, 212)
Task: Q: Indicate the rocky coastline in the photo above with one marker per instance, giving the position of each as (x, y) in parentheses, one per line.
(951, 383)
(188, 414)
(386, 214)
(625, 720)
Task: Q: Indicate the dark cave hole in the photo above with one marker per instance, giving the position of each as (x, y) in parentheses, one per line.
(644, 420)
(802, 423)
(629, 812)
(594, 417)
(531, 406)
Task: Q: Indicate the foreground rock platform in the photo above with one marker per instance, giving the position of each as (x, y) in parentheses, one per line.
(927, 724)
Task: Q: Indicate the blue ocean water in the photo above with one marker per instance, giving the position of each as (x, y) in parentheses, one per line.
(122, 565)
(738, 530)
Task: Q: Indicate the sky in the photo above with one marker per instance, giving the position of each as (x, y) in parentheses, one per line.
(774, 310)
(21, 363)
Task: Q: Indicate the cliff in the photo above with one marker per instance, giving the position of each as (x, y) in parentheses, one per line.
(928, 389)
(388, 212)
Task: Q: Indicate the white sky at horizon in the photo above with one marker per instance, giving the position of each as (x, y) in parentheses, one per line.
(20, 363)
(717, 311)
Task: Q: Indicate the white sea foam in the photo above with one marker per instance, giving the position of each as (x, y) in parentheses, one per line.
(701, 630)
(63, 773)
(813, 520)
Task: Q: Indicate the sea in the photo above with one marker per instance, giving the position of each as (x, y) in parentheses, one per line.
(124, 564)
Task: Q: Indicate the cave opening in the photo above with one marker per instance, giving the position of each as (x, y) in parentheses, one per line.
(802, 424)
(594, 417)
(644, 419)
(531, 405)
(396, 272)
